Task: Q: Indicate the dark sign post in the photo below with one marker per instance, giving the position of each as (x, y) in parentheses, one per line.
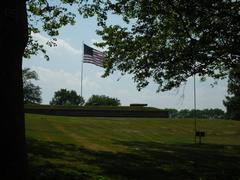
(200, 134)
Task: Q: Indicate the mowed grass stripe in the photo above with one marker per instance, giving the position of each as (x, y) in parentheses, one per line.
(98, 130)
(130, 148)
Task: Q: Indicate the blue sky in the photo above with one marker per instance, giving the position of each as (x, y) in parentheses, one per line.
(64, 71)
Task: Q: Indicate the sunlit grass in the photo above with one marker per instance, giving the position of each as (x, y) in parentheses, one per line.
(131, 148)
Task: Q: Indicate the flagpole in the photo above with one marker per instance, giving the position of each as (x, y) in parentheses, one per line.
(195, 107)
(82, 70)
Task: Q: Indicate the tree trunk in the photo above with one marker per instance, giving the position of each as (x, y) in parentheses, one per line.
(14, 37)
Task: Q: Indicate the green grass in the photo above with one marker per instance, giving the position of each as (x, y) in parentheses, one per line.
(130, 148)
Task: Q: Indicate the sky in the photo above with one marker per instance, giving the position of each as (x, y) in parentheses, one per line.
(63, 70)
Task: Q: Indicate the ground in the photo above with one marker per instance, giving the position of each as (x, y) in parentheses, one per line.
(131, 148)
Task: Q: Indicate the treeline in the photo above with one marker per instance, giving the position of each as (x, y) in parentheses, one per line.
(200, 114)
(70, 97)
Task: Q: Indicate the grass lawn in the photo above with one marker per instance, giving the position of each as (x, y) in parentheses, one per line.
(130, 148)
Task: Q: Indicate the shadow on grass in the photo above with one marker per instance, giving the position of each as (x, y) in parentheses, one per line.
(144, 160)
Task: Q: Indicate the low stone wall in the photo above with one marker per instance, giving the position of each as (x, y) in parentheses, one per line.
(99, 113)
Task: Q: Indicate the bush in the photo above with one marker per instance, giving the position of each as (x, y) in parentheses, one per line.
(66, 97)
(102, 100)
(31, 92)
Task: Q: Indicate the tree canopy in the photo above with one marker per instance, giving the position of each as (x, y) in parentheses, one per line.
(49, 17)
(169, 41)
(164, 41)
(102, 100)
(201, 114)
(67, 97)
(32, 93)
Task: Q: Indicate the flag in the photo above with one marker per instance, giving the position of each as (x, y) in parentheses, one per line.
(93, 56)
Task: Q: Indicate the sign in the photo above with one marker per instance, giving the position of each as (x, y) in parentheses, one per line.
(200, 134)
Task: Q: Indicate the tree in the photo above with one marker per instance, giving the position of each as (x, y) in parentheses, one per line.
(48, 17)
(212, 114)
(67, 97)
(102, 100)
(232, 102)
(172, 112)
(184, 113)
(17, 27)
(14, 36)
(31, 92)
(169, 41)
(201, 114)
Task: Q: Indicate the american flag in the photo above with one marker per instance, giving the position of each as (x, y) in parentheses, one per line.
(93, 56)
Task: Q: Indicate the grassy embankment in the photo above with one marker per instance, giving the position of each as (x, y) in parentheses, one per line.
(131, 148)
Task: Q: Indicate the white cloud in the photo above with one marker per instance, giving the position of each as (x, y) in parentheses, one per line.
(62, 45)
(66, 46)
(57, 78)
(99, 74)
(53, 80)
(42, 39)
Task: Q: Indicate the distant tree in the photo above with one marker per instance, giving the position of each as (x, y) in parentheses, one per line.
(102, 100)
(31, 92)
(232, 102)
(184, 113)
(201, 114)
(66, 97)
(172, 112)
(197, 113)
(213, 114)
